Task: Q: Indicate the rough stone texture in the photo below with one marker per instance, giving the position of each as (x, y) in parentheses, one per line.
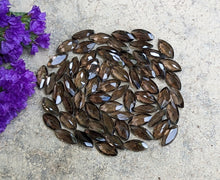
(29, 150)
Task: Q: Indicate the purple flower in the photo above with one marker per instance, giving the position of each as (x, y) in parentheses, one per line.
(13, 54)
(37, 26)
(34, 49)
(36, 14)
(17, 84)
(4, 7)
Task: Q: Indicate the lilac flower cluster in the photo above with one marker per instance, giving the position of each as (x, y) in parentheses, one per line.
(18, 31)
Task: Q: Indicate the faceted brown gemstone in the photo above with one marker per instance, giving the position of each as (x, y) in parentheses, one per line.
(123, 36)
(153, 54)
(141, 34)
(50, 82)
(145, 97)
(108, 122)
(115, 141)
(119, 73)
(83, 138)
(149, 85)
(128, 59)
(135, 145)
(141, 132)
(62, 70)
(106, 49)
(51, 121)
(58, 92)
(99, 38)
(49, 106)
(173, 80)
(169, 135)
(109, 85)
(141, 44)
(81, 78)
(106, 149)
(129, 100)
(146, 71)
(87, 58)
(94, 135)
(177, 97)
(41, 76)
(83, 34)
(92, 86)
(84, 47)
(141, 57)
(82, 118)
(79, 100)
(73, 67)
(104, 71)
(99, 97)
(160, 128)
(69, 86)
(68, 120)
(119, 92)
(171, 65)
(93, 68)
(65, 136)
(134, 78)
(112, 42)
(165, 48)
(92, 110)
(122, 129)
(158, 68)
(111, 106)
(140, 119)
(143, 109)
(157, 117)
(163, 97)
(172, 112)
(120, 115)
(97, 127)
(57, 60)
(67, 103)
(67, 46)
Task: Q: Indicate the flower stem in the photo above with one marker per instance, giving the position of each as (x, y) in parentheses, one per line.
(18, 13)
(1, 89)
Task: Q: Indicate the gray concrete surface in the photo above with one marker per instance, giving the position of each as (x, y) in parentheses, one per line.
(28, 150)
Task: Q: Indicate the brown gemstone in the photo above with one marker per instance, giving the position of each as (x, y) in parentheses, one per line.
(83, 34)
(84, 47)
(109, 85)
(141, 57)
(172, 112)
(68, 120)
(57, 60)
(50, 106)
(111, 106)
(69, 86)
(104, 71)
(83, 138)
(163, 97)
(62, 70)
(67, 103)
(87, 58)
(135, 145)
(119, 92)
(93, 68)
(134, 78)
(149, 85)
(141, 44)
(112, 42)
(92, 86)
(122, 129)
(121, 115)
(115, 141)
(106, 48)
(145, 97)
(165, 48)
(106, 149)
(65, 136)
(99, 97)
(144, 109)
(141, 34)
(108, 122)
(79, 100)
(169, 135)
(129, 100)
(73, 67)
(67, 46)
(97, 127)
(177, 97)
(141, 132)
(158, 68)
(160, 128)
(140, 119)
(119, 73)
(92, 110)
(123, 36)
(82, 118)
(128, 59)
(171, 65)
(58, 92)
(99, 38)
(146, 71)
(153, 54)
(157, 117)
(173, 80)
(81, 78)
(50, 82)
(94, 135)
(51, 121)
(41, 76)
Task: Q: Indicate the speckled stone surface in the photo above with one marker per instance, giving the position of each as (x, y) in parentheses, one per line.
(29, 150)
